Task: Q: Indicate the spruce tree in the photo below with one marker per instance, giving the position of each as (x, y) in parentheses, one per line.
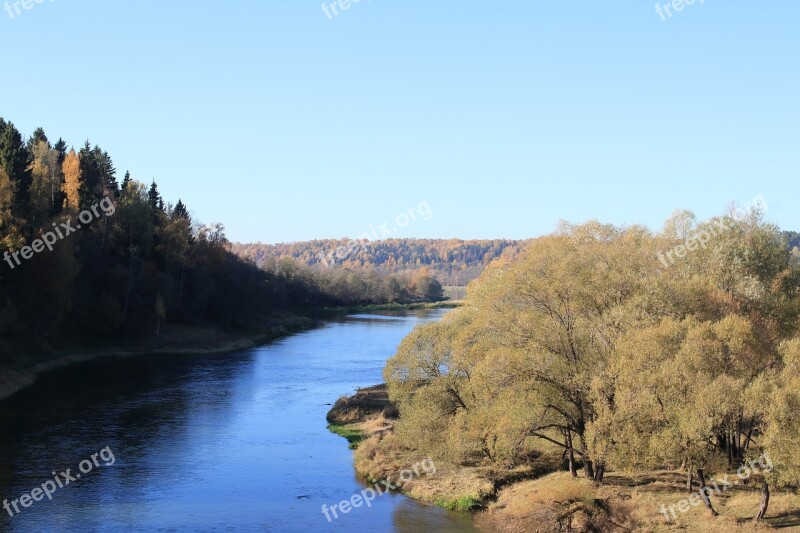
(37, 136)
(180, 211)
(14, 159)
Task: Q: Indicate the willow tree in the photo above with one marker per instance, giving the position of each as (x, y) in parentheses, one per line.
(430, 387)
(683, 386)
(678, 387)
(545, 326)
(586, 342)
(777, 394)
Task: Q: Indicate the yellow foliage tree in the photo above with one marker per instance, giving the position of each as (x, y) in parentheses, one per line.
(72, 181)
(45, 183)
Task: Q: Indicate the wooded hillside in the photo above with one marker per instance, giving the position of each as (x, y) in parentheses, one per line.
(451, 261)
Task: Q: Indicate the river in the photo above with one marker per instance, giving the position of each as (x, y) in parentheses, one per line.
(234, 442)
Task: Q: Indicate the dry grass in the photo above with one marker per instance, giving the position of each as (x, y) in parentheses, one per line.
(377, 425)
(363, 406)
(515, 502)
(630, 502)
(380, 458)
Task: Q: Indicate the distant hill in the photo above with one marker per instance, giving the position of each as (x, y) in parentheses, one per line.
(453, 262)
(793, 239)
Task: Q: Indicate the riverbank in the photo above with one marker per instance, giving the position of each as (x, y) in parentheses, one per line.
(182, 339)
(367, 420)
(323, 311)
(541, 496)
(172, 340)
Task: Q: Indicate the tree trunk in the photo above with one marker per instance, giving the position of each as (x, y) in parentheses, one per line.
(704, 491)
(764, 503)
(601, 471)
(571, 455)
(729, 444)
(739, 428)
(749, 436)
(689, 479)
(588, 470)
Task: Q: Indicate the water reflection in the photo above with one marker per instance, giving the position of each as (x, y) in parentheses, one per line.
(234, 442)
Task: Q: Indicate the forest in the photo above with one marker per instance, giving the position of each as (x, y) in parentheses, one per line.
(586, 345)
(88, 256)
(453, 262)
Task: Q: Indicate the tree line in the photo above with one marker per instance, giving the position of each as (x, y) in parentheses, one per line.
(140, 264)
(587, 344)
(453, 262)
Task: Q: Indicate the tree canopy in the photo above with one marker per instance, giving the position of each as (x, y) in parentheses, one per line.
(586, 342)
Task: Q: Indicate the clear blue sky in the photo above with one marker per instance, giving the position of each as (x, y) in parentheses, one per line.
(504, 116)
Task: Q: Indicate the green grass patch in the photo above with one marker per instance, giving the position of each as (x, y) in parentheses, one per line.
(354, 436)
(462, 504)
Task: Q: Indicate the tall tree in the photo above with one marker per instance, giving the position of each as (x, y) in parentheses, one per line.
(15, 159)
(180, 211)
(72, 181)
(37, 137)
(10, 237)
(46, 174)
(156, 202)
(98, 176)
(58, 202)
(108, 175)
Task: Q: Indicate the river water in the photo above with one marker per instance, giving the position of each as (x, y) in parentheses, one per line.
(234, 442)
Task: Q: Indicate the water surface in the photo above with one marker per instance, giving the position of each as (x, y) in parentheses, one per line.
(234, 442)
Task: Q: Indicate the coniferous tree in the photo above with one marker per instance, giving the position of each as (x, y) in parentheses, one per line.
(37, 137)
(98, 176)
(14, 159)
(61, 148)
(180, 211)
(91, 184)
(156, 202)
(108, 175)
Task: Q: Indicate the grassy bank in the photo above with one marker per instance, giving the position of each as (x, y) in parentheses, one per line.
(172, 340)
(367, 418)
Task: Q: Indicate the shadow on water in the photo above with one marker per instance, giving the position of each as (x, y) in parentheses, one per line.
(138, 407)
(234, 442)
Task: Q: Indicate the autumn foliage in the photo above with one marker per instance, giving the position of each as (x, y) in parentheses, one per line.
(588, 345)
